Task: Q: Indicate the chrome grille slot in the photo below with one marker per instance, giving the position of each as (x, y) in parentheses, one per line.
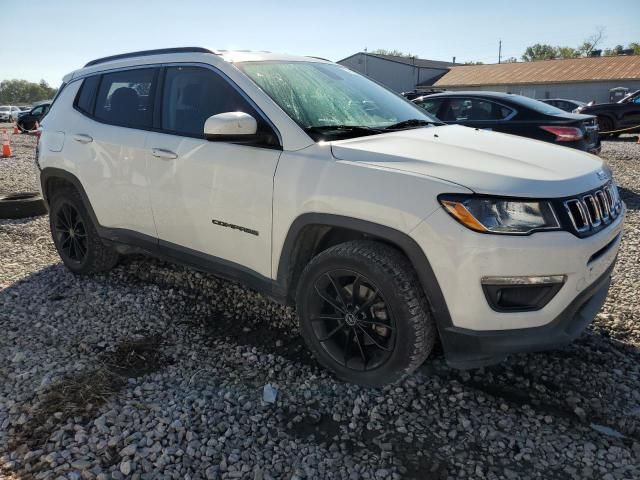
(590, 212)
(578, 215)
(603, 203)
(593, 211)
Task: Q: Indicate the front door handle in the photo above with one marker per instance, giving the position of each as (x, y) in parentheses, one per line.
(82, 138)
(164, 154)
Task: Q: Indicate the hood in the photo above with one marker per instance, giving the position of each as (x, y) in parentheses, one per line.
(483, 161)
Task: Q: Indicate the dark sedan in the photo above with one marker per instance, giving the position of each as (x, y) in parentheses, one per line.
(612, 117)
(27, 120)
(515, 114)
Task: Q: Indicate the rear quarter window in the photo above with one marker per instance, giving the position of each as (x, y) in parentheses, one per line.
(85, 99)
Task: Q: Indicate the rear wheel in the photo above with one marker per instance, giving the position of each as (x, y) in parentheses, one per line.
(75, 236)
(605, 125)
(363, 313)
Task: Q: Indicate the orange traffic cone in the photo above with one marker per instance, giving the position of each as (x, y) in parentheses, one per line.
(6, 148)
(15, 130)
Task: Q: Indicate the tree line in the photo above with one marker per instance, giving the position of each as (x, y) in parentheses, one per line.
(23, 92)
(544, 51)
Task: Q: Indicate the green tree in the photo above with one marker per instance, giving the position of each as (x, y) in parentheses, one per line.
(539, 51)
(566, 52)
(394, 53)
(510, 60)
(635, 46)
(617, 50)
(21, 91)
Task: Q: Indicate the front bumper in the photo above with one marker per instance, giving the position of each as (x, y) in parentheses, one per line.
(473, 334)
(473, 349)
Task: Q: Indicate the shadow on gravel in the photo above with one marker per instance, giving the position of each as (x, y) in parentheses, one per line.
(83, 394)
(631, 198)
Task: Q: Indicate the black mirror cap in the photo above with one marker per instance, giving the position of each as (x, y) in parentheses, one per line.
(265, 140)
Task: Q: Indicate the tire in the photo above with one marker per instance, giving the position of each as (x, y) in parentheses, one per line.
(605, 125)
(390, 306)
(75, 236)
(22, 205)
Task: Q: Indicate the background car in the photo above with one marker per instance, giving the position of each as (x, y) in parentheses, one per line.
(413, 94)
(514, 114)
(564, 104)
(8, 113)
(27, 122)
(625, 114)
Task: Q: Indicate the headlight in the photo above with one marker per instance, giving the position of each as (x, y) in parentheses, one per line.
(500, 215)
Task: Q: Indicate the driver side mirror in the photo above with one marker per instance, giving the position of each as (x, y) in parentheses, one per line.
(231, 127)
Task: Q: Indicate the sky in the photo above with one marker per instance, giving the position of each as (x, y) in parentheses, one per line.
(47, 39)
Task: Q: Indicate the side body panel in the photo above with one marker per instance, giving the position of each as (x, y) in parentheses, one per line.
(214, 198)
(313, 181)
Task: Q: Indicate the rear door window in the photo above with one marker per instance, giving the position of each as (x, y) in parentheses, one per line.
(126, 98)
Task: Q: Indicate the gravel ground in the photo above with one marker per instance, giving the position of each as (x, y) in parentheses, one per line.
(153, 371)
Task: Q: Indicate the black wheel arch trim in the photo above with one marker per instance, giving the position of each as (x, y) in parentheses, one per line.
(400, 240)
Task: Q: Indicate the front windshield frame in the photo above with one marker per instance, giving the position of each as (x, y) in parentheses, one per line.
(4, 108)
(408, 110)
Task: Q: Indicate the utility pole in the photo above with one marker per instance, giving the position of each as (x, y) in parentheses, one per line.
(499, 51)
(365, 62)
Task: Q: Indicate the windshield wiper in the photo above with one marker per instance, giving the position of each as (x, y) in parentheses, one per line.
(346, 128)
(411, 123)
(326, 132)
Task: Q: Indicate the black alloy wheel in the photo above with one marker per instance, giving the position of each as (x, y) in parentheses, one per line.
(351, 320)
(363, 313)
(71, 233)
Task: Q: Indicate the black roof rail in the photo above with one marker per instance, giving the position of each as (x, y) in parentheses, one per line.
(144, 53)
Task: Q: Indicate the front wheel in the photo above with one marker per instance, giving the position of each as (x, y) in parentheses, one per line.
(363, 313)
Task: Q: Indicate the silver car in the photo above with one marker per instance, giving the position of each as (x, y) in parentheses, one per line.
(8, 113)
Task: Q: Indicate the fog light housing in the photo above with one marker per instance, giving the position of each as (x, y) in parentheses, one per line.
(521, 294)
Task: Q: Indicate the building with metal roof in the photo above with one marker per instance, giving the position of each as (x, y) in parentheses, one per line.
(400, 74)
(584, 79)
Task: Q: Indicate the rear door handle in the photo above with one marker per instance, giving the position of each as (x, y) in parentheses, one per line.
(82, 138)
(164, 154)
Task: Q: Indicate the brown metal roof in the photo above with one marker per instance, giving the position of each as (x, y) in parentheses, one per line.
(545, 71)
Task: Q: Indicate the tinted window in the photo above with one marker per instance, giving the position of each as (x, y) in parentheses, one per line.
(535, 105)
(87, 94)
(125, 98)
(431, 105)
(474, 109)
(192, 94)
(38, 110)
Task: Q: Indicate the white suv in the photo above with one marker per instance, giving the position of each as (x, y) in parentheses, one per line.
(8, 113)
(318, 187)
